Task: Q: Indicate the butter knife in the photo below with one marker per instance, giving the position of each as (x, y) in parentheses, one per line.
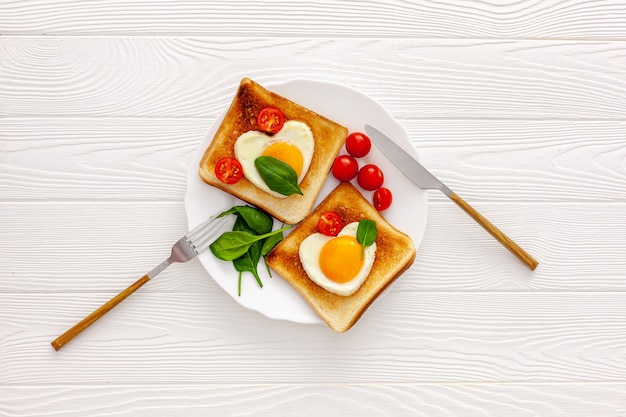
(423, 178)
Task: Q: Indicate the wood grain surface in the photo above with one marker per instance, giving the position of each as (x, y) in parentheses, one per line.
(412, 78)
(518, 106)
(574, 19)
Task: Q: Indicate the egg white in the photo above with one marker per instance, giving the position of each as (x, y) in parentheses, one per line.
(309, 252)
(250, 145)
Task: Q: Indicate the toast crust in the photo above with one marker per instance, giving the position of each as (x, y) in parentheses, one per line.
(241, 116)
(395, 253)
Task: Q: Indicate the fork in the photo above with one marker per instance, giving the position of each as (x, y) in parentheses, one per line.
(187, 248)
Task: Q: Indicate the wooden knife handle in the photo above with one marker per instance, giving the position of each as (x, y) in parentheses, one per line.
(495, 232)
(60, 341)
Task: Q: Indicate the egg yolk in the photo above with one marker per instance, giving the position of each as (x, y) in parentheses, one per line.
(340, 258)
(288, 153)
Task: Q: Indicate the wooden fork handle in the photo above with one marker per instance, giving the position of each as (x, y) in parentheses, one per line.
(60, 341)
(495, 232)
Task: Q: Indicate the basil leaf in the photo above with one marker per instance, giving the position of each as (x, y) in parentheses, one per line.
(278, 176)
(231, 245)
(366, 234)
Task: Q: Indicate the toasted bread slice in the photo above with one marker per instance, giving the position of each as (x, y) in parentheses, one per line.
(241, 117)
(395, 252)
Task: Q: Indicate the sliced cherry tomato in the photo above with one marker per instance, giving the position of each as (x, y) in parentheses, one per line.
(345, 168)
(370, 177)
(382, 198)
(228, 170)
(270, 120)
(358, 144)
(329, 224)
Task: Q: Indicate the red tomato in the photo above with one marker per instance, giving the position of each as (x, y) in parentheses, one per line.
(270, 120)
(228, 170)
(382, 198)
(345, 168)
(358, 144)
(370, 177)
(329, 224)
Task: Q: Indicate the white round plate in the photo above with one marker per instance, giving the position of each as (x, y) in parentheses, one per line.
(277, 299)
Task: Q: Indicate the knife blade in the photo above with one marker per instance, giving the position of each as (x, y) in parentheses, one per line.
(423, 178)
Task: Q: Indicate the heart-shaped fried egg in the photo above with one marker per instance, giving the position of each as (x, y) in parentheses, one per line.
(293, 145)
(337, 264)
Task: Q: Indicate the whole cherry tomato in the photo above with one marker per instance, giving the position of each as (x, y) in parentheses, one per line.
(358, 144)
(382, 199)
(228, 170)
(370, 177)
(345, 168)
(329, 224)
(270, 120)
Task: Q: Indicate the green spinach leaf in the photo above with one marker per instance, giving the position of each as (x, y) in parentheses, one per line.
(268, 245)
(248, 263)
(256, 219)
(231, 245)
(232, 210)
(251, 238)
(270, 242)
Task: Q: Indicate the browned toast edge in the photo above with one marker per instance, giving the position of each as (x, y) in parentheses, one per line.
(249, 99)
(342, 312)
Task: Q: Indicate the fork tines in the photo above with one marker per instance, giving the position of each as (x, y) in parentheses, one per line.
(201, 236)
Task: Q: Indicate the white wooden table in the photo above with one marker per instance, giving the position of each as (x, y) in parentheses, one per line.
(518, 106)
